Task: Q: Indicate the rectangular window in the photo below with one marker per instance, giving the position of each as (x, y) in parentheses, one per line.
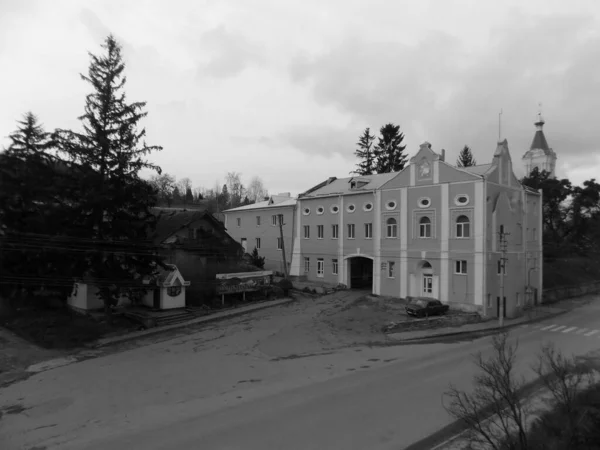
(306, 231)
(274, 220)
(391, 267)
(350, 231)
(239, 221)
(335, 231)
(425, 227)
(320, 267)
(391, 227)
(369, 230)
(500, 268)
(460, 267)
(279, 244)
(463, 227)
(489, 300)
(257, 243)
(427, 284)
(320, 231)
(306, 265)
(258, 221)
(535, 234)
(518, 300)
(334, 266)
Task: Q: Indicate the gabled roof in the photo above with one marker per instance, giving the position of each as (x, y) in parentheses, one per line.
(477, 170)
(274, 201)
(170, 222)
(343, 185)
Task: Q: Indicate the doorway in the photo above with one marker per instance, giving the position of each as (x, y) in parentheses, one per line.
(426, 279)
(361, 273)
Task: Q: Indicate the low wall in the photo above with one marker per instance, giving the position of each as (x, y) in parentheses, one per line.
(561, 293)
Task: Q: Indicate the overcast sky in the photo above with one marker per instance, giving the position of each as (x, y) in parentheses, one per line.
(283, 88)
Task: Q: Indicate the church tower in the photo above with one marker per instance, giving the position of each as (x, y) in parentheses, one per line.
(540, 155)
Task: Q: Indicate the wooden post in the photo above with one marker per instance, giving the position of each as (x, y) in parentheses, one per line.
(285, 267)
(503, 247)
(222, 299)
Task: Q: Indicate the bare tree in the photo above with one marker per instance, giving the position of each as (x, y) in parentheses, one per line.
(199, 193)
(164, 184)
(235, 188)
(185, 189)
(493, 413)
(256, 190)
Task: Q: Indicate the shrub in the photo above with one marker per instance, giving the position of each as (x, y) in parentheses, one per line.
(286, 285)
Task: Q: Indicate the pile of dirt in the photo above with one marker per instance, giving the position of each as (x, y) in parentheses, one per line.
(453, 319)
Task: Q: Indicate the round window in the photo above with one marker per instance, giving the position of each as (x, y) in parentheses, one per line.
(391, 205)
(424, 202)
(461, 199)
(368, 206)
(350, 208)
(320, 210)
(334, 209)
(306, 211)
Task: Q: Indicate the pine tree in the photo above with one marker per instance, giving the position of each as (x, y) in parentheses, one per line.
(115, 202)
(364, 153)
(389, 151)
(465, 158)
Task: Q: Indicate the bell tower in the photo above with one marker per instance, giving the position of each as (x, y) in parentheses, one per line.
(540, 155)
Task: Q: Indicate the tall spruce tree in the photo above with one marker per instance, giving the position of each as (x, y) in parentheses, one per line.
(114, 206)
(364, 153)
(389, 151)
(465, 158)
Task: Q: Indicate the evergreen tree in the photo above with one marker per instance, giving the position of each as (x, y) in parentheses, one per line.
(224, 198)
(465, 158)
(364, 153)
(189, 197)
(114, 206)
(257, 260)
(389, 151)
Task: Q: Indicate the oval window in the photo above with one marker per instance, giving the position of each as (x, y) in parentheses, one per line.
(461, 199)
(424, 202)
(351, 208)
(334, 209)
(306, 211)
(320, 210)
(391, 204)
(368, 206)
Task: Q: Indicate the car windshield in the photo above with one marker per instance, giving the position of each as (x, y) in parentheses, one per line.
(422, 303)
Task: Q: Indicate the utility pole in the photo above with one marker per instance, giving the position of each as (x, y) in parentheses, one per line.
(500, 125)
(504, 250)
(285, 267)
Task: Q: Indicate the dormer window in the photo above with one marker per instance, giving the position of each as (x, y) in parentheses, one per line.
(357, 184)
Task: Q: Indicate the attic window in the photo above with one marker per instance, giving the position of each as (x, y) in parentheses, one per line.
(357, 184)
(306, 211)
(334, 209)
(320, 210)
(350, 208)
(391, 205)
(368, 206)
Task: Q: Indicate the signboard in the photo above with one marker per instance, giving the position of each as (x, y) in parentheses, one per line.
(230, 283)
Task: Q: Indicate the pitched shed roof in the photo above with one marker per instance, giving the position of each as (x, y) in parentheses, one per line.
(170, 222)
(477, 170)
(274, 201)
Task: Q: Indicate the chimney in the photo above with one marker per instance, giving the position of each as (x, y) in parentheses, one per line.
(443, 156)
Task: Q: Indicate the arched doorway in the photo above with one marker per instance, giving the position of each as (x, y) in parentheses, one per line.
(427, 279)
(360, 273)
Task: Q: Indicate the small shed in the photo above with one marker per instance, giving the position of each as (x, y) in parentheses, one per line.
(84, 297)
(167, 289)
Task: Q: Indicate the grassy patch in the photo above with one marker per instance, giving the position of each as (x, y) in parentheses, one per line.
(550, 432)
(62, 329)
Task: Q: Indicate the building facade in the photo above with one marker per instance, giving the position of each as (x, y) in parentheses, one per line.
(257, 226)
(430, 230)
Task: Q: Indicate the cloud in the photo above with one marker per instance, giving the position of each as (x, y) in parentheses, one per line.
(325, 141)
(231, 53)
(441, 91)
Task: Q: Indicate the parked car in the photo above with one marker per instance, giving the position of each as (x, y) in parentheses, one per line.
(422, 307)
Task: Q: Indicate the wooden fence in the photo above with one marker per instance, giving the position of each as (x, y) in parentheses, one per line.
(560, 293)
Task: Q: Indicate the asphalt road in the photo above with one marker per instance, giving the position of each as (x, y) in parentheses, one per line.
(390, 406)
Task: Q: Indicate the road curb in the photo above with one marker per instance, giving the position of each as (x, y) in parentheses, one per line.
(197, 321)
(483, 331)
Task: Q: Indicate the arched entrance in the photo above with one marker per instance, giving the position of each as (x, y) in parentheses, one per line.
(360, 273)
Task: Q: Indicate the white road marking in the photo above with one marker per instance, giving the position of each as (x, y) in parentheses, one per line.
(591, 333)
(581, 330)
(548, 327)
(568, 330)
(559, 328)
